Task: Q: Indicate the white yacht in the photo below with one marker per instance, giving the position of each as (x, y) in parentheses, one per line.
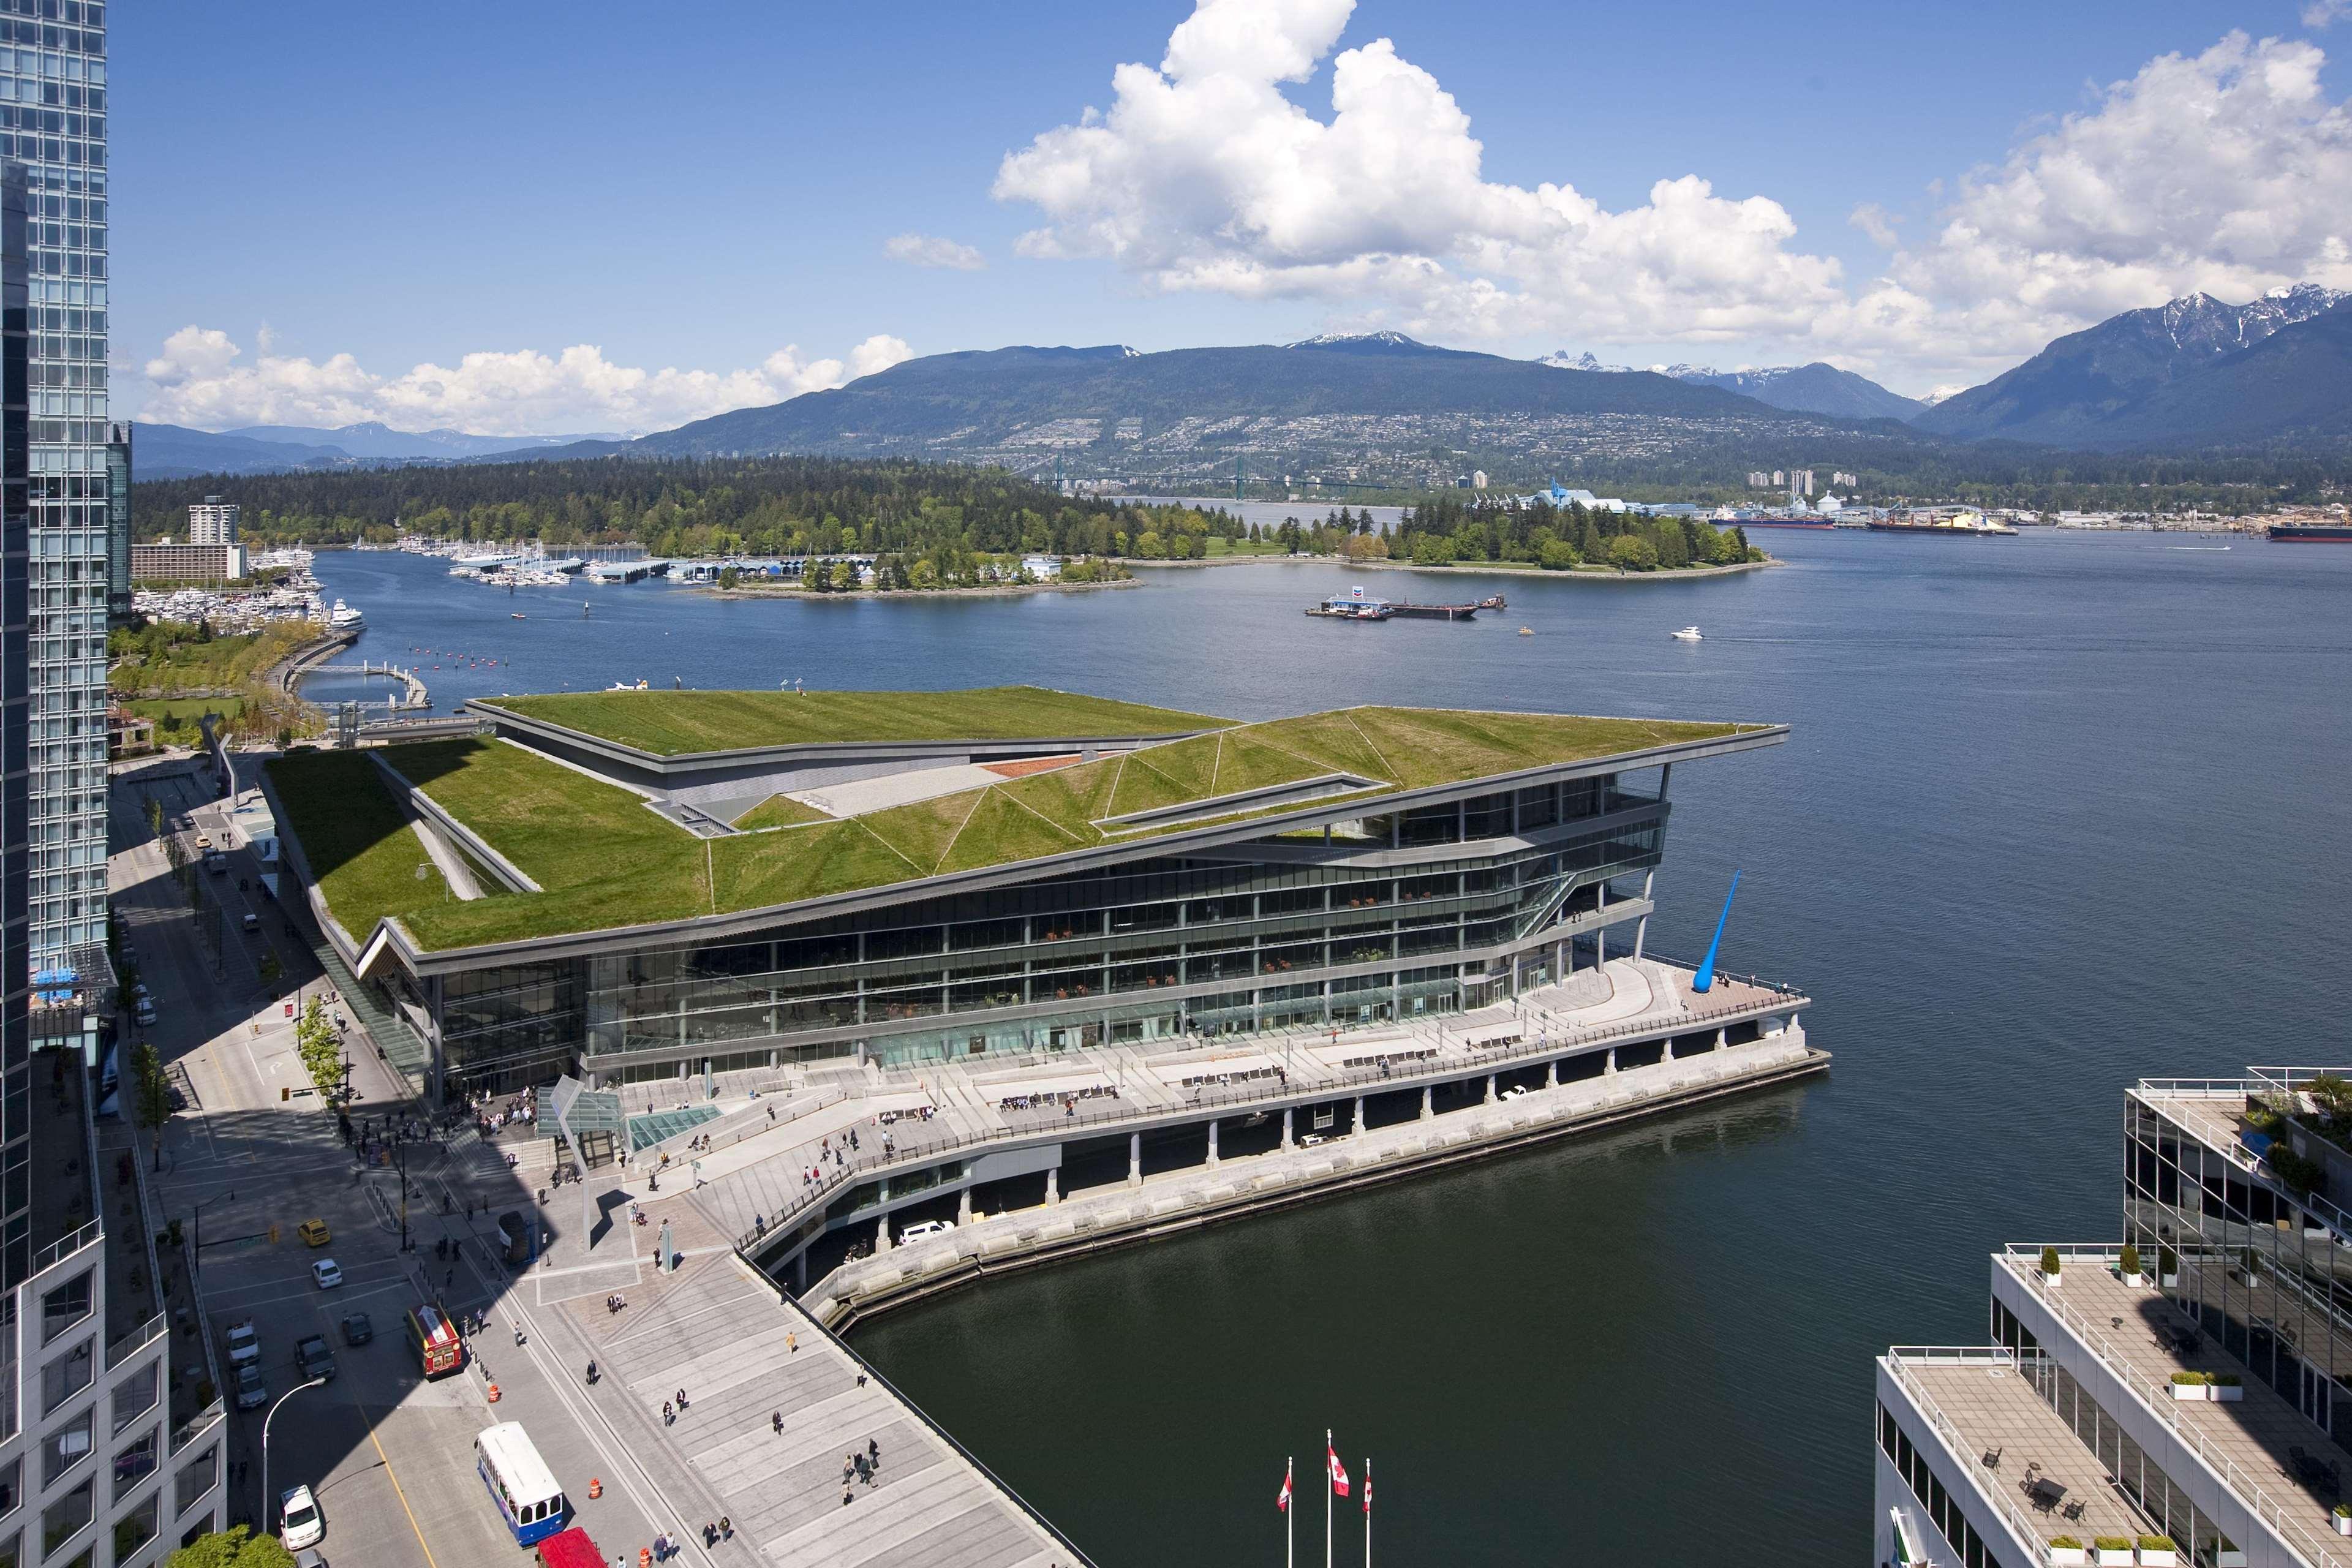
(345, 617)
(1689, 633)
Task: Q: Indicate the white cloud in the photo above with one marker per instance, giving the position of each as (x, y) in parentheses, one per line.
(931, 250)
(201, 379)
(2325, 13)
(2229, 171)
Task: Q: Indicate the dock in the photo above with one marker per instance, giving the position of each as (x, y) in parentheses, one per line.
(415, 694)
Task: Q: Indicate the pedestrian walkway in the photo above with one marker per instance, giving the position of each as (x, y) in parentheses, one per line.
(745, 1356)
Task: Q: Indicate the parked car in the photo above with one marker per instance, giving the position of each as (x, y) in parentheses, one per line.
(357, 1328)
(922, 1228)
(251, 1391)
(299, 1523)
(314, 1358)
(244, 1348)
(326, 1274)
(1515, 1092)
(252, 924)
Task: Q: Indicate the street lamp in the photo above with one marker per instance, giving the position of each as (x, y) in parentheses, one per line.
(269, 1504)
(196, 1255)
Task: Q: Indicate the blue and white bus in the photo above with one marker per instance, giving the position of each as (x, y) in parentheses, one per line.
(521, 1483)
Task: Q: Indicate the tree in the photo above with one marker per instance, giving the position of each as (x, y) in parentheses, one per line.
(155, 812)
(1556, 555)
(729, 577)
(150, 1093)
(1632, 553)
(232, 1548)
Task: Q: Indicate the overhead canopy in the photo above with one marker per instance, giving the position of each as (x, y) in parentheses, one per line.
(581, 1111)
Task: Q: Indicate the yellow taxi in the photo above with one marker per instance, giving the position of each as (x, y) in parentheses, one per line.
(313, 1232)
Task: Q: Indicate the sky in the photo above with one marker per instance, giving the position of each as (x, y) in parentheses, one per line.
(542, 217)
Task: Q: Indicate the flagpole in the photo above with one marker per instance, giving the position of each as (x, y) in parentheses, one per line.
(1368, 1511)
(1326, 1498)
(1289, 1519)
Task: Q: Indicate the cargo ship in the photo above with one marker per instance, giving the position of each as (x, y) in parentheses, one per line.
(1961, 525)
(2310, 532)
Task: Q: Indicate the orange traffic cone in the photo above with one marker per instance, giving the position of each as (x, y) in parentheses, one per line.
(494, 1394)
(595, 1487)
(645, 1557)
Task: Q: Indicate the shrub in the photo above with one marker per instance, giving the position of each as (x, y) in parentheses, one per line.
(2050, 1260)
(2066, 1542)
(2222, 1379)
(2191, 1379)
(2113, 1542)
(2166, 1260)
(2300, 1176)
(2157, 1543)
(2130, 1258)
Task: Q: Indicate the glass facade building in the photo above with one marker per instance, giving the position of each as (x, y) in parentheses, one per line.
(53, 123)
(1431, 910)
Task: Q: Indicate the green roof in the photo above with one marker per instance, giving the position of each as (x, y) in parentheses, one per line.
(605, 861)
(671, 724)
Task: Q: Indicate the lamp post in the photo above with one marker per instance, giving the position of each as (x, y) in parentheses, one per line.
(269, 1504)
(198, 1224)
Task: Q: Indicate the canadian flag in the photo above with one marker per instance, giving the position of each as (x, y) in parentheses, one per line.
(1282, 1499)
(1338, 1471)
(1368, 1488)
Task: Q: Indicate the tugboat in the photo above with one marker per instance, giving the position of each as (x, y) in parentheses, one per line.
(1352, 606)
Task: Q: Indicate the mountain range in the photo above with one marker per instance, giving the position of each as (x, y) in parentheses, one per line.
(1815, 388)
(174, 451)
(2168, 376)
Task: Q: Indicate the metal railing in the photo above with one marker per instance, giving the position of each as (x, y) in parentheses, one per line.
(737, 1125)
(130, 1345)
(210, 1417)
(1993, 1358)
(65, 1247)
(1252, 1095)
(2159, 1403)
(2235, 1150)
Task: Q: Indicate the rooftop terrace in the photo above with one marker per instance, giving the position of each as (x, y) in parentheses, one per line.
(604, 860)
(682, 723)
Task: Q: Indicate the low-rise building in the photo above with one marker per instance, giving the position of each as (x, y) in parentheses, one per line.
(165, 562)
(2168, 1397)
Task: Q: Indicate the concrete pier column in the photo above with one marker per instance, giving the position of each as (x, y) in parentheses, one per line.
(1212, 1143)
(1135, 1159)
(1285, 1126)
(799, 1271)
(1490, 1088)
(1359, 1126)
(1053, 1186)
(1666, 1051)
(882, 1234)
(1551, 1073)
(1611, 1065)
(964, 1206)
(1426, 1110)
(1722, 1039)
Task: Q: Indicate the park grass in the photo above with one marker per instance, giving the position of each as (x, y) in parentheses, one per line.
(606, 861)
(779, 811)
(355, 837)
(670, 723)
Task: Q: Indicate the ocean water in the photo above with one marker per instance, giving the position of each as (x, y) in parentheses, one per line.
(2057, 811)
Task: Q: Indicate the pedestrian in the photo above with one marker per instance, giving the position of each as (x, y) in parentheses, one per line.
(670, 1416)
(861, 1380)
(450, 1282)
(873, 1453)
(848, 1468)
(682, 1399)
(777, 1420)
(845, 1494)
(791, 1343)
(709, 1534)
(726, 1528)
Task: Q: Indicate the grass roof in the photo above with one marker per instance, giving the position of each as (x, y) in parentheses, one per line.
(605, 859)
(670, 723)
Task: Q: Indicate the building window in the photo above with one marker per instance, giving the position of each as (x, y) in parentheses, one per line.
(134, 1530)
(65, 1375)
(12, 1552)
(65, 1516)
(12, 1477)
(134, 1462)
(64, 1307)
(64, 1448)
(195, 1478)
(135, 1394)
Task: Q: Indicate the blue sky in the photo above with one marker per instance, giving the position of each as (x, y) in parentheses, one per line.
(698, 187)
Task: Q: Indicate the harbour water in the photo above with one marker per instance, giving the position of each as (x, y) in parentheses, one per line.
(2058, 811)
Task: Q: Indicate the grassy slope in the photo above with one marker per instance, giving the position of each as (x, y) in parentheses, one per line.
(669, 723)
(779, 811)
(607, 861)
(358, 843)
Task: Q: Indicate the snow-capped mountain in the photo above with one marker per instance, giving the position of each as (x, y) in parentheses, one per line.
(1815, 388)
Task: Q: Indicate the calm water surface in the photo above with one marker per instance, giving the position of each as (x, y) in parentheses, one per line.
(2057, 811)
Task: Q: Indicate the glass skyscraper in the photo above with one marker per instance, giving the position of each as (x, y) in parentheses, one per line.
(53, 121)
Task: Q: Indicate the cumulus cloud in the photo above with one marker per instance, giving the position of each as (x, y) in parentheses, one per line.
(201, 378)
(2228, 170)
(1202, 175)
(931, 250)
(2326, 13)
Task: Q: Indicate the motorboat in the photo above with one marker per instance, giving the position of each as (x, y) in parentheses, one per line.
(1689, 633)
(345, 617)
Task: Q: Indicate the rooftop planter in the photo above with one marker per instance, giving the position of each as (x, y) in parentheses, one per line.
(2112, 1551)
(2128, 1266)
(2050, 1267)
(2218, 1387)
(2341, 1517)
(2066, 1552)
(2159, 1552)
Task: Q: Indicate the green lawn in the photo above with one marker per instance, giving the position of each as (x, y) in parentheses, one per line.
(189, 708)
(668, 724)
(605, 861)
(359, 845)
(779, 811)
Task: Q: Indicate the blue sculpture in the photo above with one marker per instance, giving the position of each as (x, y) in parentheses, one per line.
(1706, 981)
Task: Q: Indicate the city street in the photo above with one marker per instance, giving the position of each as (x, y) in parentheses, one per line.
(255, 1152)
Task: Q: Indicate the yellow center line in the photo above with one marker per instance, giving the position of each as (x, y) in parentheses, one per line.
(402, 1496)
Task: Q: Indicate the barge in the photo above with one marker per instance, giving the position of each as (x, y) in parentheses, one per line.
(1353, 605)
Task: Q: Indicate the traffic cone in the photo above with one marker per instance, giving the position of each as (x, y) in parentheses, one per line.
(595, 1487)
(494, 1394)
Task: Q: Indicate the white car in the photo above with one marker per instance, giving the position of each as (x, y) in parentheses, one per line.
(299, 1523)
(1515, 1092)
(325, 1274)
(922, 1228)
(1311, 1141)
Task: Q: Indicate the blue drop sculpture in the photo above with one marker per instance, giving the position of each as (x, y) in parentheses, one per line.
(1705, 980)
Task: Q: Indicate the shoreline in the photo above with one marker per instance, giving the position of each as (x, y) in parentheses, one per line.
(1479, 569)
(986, 591)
